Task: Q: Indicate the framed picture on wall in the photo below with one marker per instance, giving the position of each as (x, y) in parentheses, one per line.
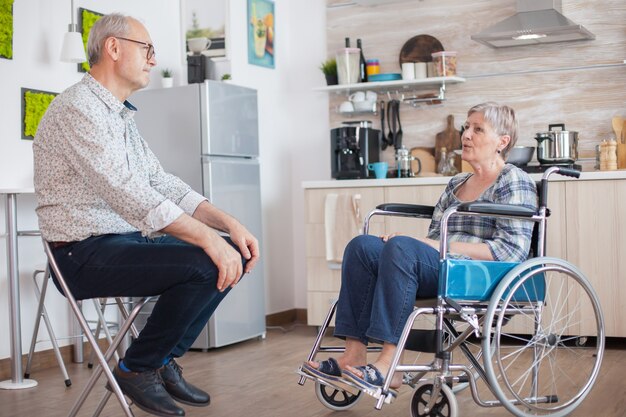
(86, 20)
(34, 106)
(261, 35)
(205, 19)
(6, 29)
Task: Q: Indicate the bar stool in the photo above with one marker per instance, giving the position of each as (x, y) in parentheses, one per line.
(103, 358)
(40, 292)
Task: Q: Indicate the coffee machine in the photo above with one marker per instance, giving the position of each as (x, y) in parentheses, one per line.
(352, 147)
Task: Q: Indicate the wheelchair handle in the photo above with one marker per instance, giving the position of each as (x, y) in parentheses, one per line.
(567, 172)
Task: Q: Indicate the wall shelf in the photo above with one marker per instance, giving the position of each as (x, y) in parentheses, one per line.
(403, 90)
(392, 86)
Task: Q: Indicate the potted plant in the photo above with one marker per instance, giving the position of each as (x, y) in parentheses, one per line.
(167, 80)
(329, 68)
(226, 77)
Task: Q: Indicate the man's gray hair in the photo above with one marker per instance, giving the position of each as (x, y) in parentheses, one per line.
(501, 118)
(114, 24)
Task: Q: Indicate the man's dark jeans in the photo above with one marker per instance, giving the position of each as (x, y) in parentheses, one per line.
(130, 265)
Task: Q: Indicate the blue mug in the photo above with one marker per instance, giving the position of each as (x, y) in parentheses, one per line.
(379, 168)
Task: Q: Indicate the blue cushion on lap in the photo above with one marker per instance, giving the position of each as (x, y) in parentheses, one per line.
(471, 280)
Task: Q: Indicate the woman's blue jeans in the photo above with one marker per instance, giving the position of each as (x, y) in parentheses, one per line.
(130, 265)
(379, 285)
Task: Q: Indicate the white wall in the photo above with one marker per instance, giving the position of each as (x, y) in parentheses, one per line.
(293, 125)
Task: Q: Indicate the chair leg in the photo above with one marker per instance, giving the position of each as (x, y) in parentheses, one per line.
(100, 306)
(41, 312)
(102, 403)
(103, 360)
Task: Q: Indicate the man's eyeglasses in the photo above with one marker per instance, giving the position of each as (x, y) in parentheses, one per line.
(149, 53)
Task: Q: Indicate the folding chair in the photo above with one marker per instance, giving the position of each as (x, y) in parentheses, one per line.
(103, 358)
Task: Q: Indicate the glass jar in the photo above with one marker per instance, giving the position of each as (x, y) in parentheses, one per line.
(445, 63)
(348, 71)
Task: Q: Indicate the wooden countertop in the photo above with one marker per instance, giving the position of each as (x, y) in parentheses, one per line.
(440, 180)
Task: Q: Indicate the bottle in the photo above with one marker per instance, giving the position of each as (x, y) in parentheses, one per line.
(362, 64)
(347, 42)
(443, 160)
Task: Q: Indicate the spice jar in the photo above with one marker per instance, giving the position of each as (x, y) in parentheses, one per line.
(372, 66)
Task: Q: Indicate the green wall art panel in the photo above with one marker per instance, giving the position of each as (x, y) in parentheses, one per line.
(86, 20)
(34, 106)
(6, 29)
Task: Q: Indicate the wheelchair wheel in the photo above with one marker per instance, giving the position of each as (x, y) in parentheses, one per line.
(549, 305)
(336, 399)
(445, 405)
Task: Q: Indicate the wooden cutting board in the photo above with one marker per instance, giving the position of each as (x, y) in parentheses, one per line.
(419, 49)
(450, 138)
(427, 161)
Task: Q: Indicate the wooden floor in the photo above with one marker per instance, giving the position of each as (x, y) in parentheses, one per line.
(256, 378)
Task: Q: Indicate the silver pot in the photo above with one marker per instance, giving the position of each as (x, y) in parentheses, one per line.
(557, 146)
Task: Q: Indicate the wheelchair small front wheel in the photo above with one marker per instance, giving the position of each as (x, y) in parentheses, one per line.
(444, 406)
(336, 399)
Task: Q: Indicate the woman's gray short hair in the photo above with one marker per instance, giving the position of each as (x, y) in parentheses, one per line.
(114, 24)
(501, 118)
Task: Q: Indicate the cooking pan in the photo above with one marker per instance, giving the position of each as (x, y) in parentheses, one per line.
(557, 146)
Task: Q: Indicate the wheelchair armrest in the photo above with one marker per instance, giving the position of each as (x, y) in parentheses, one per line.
(408, 209)
(496, 209)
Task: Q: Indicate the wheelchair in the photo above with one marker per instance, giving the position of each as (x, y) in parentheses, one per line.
(531, 333)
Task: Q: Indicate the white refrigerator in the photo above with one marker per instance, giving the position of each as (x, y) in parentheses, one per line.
(207, 135)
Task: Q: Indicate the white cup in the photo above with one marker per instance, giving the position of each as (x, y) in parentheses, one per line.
(430, 69)
(371, 96)
(346, 107)
(197, 45)
(356, 97)
(420, 70)
(408, 71)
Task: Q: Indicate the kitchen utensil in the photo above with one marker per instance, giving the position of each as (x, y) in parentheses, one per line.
(621, 155)
(404, 160)
(388, 76)
(426, 157)
(450, 139)
(618, 124)
(520, 155)
(419, 49)
(557, 146)
(394, 137)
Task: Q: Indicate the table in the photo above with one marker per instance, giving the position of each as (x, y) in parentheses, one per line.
(17, 380)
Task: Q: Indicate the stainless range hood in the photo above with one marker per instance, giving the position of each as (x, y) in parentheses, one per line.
(536, 21)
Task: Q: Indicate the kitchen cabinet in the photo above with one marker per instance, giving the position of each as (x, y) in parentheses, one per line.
(596, 243)
(583, 228)
(323, 283)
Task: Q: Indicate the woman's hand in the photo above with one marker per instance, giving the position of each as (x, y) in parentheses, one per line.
(385, 238)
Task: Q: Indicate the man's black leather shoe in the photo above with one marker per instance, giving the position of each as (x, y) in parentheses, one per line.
(147, 391)
(180, 389)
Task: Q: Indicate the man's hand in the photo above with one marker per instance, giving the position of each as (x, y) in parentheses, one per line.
(227, 260)
(247, 244)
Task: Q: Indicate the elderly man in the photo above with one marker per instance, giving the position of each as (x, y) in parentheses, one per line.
(121, 226)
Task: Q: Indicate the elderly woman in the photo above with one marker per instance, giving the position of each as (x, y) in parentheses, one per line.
(383, 276)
